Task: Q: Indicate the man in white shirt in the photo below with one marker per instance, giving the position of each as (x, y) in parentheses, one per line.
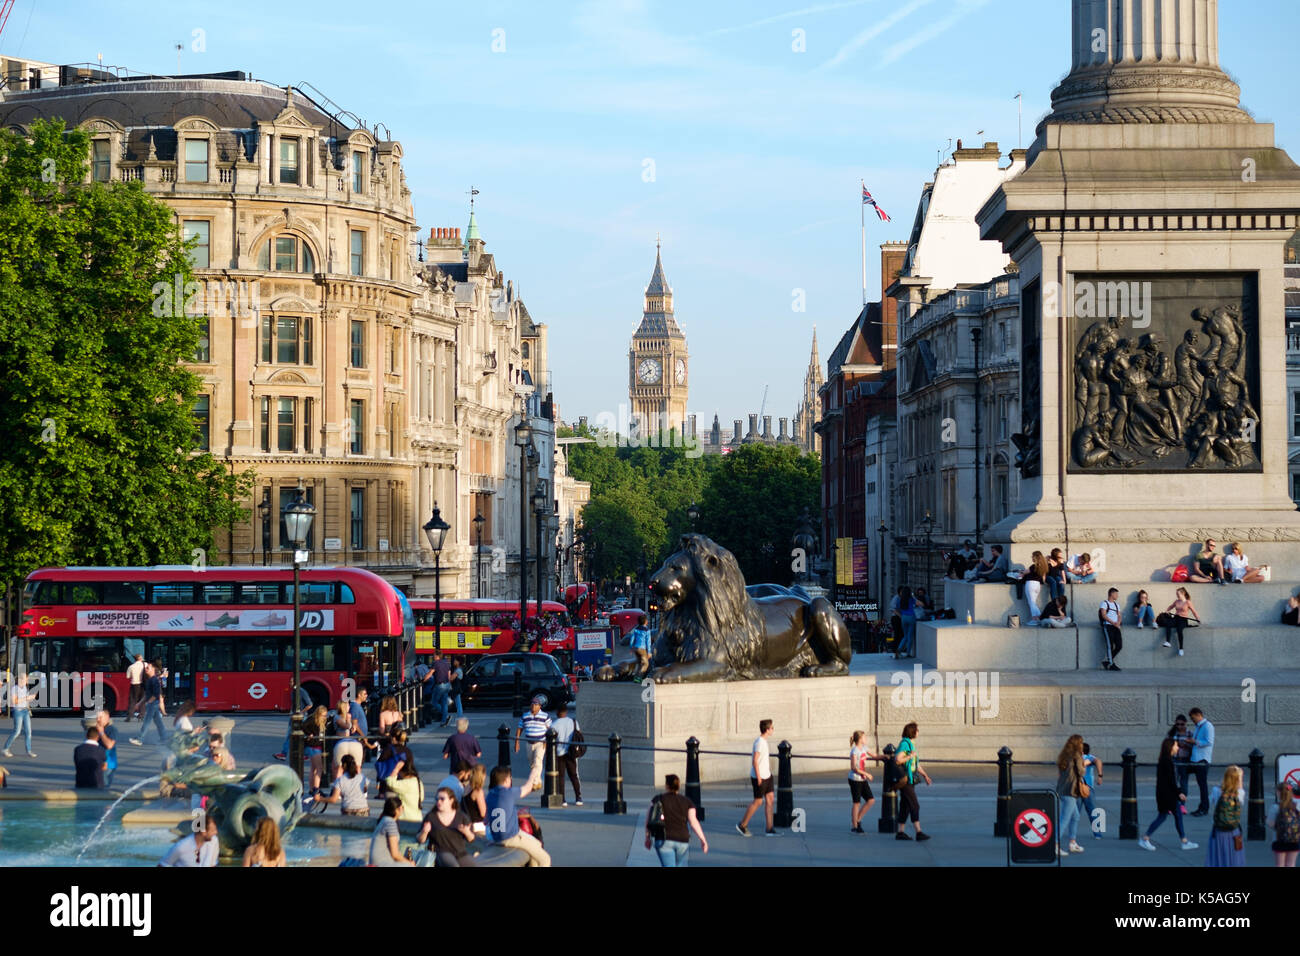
(197, 849)
(760, 778)
(1108, 615)
(135, 675)
(564, 726)
(1202, 743)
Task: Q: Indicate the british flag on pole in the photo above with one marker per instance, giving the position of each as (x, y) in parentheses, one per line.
(868, 201)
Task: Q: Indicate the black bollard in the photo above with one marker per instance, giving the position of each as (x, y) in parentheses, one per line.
(1255, 821)
(614, 802)
(888, 798)
(551, 774)
(1002, 822)
(503, 745)
(1128, 797)
(517, 706)
(693, 776)
(784, 816)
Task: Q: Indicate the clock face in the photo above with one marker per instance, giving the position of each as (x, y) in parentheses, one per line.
(679, 371)
(649, 371)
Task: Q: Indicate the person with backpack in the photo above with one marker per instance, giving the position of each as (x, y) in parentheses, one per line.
(568, 748)
(1284, 820)
(904, 607)
(1226, 845)
(668, 824)
(905, 769)
(1170, 799)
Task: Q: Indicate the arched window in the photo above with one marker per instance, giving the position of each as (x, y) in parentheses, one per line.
(286, 254)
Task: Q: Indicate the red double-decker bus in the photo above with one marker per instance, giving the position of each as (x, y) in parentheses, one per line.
(225, 635)
(467, 627)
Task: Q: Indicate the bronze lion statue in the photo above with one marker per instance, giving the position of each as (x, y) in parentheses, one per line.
(712, 630)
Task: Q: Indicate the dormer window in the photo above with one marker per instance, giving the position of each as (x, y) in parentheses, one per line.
(358, 173)
(289, 160)
(196, 160)
(101, 163)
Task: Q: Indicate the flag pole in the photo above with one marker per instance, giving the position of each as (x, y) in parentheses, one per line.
(862, 216)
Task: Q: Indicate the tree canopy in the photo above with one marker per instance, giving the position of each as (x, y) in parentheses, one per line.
(749, 500)
(97, 449)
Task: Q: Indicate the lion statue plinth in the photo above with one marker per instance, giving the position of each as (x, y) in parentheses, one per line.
(710, 629)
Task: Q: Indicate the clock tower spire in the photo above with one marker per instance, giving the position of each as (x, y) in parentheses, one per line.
(657, 361)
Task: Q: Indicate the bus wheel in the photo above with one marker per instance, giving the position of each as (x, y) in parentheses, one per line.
(320, 697)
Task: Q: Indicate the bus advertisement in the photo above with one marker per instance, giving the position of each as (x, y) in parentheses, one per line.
(222, 635)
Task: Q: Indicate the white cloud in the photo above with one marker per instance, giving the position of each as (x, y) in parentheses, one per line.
(873, 31)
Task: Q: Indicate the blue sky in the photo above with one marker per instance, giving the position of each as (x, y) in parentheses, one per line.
(757, 147)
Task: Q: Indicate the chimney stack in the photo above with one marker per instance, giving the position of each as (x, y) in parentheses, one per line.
(753, 428)
(736, 440)
(783, 436)
(767, 427)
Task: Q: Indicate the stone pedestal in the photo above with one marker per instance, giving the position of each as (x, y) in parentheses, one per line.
(817, 715)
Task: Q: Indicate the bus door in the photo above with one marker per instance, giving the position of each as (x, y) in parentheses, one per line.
(177, 656)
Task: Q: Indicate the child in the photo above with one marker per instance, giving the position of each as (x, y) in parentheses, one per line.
(1092, 773)
(1284, 820)
(860, 780)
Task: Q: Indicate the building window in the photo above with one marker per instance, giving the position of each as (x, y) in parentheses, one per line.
(1295, 414)
(290, 255)
(1295, 488)
(284, 430)
(203, 352)
(1003, 403)
(306, 425)
(524, 347)
(358, 356)
(202, 420)
(357, 240)
(289, 160)
(198, 230)
(1004, 506)
(358, 519)
(196, 160)
(266, 423)
(101, 163)
(287, 497)
(358, 421)
(358, 173)
(287, 338)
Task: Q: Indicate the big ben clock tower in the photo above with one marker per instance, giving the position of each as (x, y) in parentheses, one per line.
(658, 363)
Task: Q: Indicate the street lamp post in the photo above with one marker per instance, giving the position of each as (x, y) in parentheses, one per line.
(436, 531)
(264, 512)
(524, 439)
(539, 509)
(478, 556)
(693, 513)
(297, 521)
(880, 560)
(927, 524)
(975, 333)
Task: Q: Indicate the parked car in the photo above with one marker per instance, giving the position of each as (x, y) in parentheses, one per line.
(491, 681)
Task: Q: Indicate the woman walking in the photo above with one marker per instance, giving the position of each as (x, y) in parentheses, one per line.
(904, 606)
(1070, 789)
(1284, 820)
(860, 780)
(1169, 799)
(1183, 611)
(1226, 846)
(906, 768)
(670, 834)
(20, 708)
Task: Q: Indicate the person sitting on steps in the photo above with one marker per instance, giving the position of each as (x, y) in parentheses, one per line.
(994, 568)
(1082, 571)
(1207, 566)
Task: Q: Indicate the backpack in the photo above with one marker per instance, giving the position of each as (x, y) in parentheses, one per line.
(657, 820)
(577, 748)
(1288, 825)
(1227, 813)
(385, 766)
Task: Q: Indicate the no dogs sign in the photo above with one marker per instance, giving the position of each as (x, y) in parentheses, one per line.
(1032, 838)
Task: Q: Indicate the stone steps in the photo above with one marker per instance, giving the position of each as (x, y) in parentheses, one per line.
(951, 645)
(1240, 604)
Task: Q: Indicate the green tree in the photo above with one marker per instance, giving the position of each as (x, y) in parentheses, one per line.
(97, 447)
(752, 506)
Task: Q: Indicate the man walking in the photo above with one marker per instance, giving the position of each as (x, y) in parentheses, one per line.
(760, 778)
(461, 747)
(154, 709)
(1109, 616)
(564, 727)
(639, 640)
(20, 708)
(533, 726)
(135, 676)
(1202, 741)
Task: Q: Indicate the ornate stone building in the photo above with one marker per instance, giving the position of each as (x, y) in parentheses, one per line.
(658, 362)
(809, 412)
(333, 359)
